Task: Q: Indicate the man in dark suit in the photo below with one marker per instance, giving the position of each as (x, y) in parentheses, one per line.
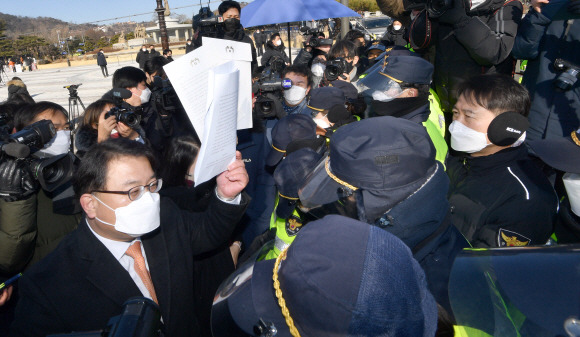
(131, 243)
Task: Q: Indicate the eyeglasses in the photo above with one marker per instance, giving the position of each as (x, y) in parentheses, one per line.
(136, 192)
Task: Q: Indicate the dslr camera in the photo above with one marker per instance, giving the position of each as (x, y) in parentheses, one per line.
(125, 116)
(336, 68)
(270, 88)
(51, 172)
(570, 74)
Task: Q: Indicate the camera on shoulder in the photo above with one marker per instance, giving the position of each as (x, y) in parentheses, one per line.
(269, 90)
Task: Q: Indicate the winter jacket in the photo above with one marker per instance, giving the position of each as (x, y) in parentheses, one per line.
(16, 87)
(423, 223)
(272, 52)
(394, 37)
(101, 59)
(480, 45)
(189, 47)
(142, 57)
(29, 230)
(539, 40)
(502, 199)
(85, 137)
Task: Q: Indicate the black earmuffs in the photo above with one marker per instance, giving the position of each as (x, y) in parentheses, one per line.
(506, 128)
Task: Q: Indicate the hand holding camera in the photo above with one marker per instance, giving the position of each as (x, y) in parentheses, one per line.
(16, 179)
(106, 126)
(455, 14)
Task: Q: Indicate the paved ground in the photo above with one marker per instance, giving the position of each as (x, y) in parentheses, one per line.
(47, 84)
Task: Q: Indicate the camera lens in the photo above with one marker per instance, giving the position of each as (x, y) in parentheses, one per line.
(266, 107)
(566, 80)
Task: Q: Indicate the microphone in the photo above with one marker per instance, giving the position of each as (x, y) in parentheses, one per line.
(15, 150)
(121, 93)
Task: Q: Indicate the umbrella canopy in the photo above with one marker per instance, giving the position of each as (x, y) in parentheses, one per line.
(269, 12)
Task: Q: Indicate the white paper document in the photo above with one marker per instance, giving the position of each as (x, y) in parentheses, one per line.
(189, 76)
(218, 145)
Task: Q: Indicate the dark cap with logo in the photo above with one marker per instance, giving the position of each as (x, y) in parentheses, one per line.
(288, 129)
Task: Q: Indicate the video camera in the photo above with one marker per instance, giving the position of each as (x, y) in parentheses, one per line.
(206, 23)
(435, 8)
(164, 96)
(50, 172)
(140, 317)
(570, 74)
(316, 39)
(124, 113)
(336, 68)
(269, 90)
(73, 89)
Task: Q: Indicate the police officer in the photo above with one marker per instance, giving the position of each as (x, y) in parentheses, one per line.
(340, 277)
(287, 219)
(382, 170)
(499, 197)
(401, 89)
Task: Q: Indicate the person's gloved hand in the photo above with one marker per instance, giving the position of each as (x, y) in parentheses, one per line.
(16, 180)
(455, 14)
(574, 6)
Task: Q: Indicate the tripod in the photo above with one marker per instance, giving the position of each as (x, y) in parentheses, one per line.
(73, 107)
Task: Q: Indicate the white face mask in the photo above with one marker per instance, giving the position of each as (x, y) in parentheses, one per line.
(476, 3)
(572, 185)
(396, 27)
(60, 144)
(294, 95)
(279, 42)
(145, 95)
(140, 217)
(144, 49)
(465, 139)
(318, 69)
(323, 123)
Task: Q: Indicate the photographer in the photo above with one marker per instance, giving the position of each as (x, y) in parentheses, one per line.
(316, 47)
(96, 127)
(472, 38)
(275, 49)
(342, 62)
(155, 125)
(543, 37)
(232, 28)
(33, 221)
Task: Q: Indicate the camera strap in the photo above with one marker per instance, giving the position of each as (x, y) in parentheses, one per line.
(564, 36)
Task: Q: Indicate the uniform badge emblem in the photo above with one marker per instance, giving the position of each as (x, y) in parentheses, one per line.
(293, 225)
(507, 238)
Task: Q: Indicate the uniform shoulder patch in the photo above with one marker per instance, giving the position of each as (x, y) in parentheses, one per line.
(507, 238)
(293, 225)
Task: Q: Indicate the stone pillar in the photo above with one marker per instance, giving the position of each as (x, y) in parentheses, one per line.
(176, 34)
(187, 33)
(155, 36)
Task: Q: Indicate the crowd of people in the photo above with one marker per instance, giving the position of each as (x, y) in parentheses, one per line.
(368, 169)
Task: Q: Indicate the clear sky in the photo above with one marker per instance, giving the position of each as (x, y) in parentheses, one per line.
(82, 11)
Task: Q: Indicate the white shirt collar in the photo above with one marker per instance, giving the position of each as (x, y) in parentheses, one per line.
(117, 248)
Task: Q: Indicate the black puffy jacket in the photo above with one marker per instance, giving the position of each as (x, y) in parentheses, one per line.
(480, 45)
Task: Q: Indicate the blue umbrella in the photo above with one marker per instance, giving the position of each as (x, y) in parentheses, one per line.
(269, 12)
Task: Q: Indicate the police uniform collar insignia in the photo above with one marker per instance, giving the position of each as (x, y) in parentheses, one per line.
(507, 238)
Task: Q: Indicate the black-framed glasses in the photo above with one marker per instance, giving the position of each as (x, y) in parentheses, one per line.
(136, 192)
